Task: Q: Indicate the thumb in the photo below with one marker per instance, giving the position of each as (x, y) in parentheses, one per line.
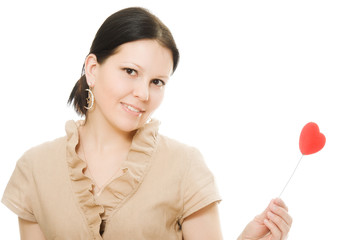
(262, 216)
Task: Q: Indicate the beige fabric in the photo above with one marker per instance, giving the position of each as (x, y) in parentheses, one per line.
(161, 183)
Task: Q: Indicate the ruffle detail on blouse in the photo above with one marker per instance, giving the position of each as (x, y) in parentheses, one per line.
(81, 184)
(133, 171)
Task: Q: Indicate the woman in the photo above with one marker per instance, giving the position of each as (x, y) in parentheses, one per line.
(113, 176)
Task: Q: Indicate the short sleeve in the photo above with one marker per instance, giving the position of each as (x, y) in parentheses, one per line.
(200, 188)
(18, 192)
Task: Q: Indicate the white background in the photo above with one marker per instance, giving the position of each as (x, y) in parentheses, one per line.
(251, 75)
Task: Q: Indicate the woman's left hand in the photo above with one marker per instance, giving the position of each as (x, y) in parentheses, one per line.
(272, 224)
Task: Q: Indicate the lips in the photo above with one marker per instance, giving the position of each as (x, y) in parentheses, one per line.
(132, 109)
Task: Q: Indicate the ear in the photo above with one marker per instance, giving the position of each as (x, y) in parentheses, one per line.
(90, 69)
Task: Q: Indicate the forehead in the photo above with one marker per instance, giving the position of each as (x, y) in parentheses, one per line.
(148, 54)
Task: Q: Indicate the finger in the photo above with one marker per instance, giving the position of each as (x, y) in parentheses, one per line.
(281, 212)
(275, 231)
(281, 203)
(279, 222)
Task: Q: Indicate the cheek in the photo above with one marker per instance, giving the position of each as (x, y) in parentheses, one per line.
(113, 87)
(156, 97)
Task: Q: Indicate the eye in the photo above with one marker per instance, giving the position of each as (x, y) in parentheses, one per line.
(158, 82)
(130, 71)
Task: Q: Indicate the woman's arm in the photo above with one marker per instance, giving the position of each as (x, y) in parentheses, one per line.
(203, 224)
(30, 230)
(274, 223)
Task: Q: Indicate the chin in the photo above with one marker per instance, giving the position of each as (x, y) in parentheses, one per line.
(129, 126)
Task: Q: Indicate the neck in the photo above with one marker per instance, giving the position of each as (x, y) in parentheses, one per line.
(102, 137)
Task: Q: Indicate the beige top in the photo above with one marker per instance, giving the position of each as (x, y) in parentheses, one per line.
(160, 183)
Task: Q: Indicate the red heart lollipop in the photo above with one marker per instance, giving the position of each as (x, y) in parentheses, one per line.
(311, 139)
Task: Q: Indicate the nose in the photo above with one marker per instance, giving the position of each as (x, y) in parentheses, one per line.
(141, 90)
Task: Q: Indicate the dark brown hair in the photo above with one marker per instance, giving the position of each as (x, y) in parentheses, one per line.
(124, 26)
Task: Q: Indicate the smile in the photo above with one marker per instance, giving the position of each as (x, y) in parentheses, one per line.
(132, 109)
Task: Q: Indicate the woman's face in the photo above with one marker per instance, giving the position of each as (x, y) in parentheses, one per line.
(129, 85)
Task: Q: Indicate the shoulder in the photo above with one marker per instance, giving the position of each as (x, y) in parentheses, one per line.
(44, 151)
(178, 153)
(176, 147)
(47, 147)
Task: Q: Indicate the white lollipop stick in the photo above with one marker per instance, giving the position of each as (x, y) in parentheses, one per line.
(291, 176)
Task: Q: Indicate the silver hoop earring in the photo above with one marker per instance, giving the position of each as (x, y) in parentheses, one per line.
(90, 99)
